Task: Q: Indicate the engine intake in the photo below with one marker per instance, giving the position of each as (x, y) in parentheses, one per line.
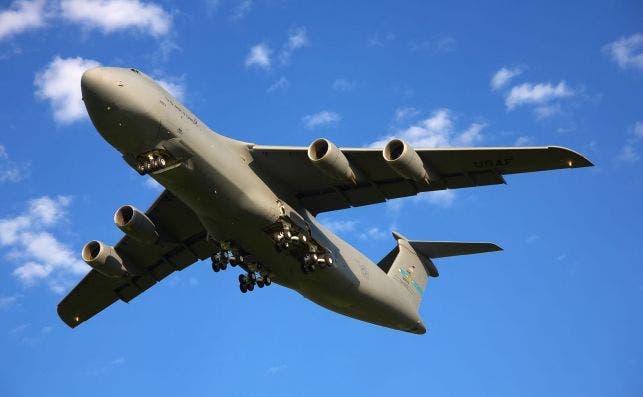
(104, 259)
(404, 160)
(331, 161)
(136, 224)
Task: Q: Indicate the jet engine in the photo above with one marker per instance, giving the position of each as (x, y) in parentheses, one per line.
(330, 160)
(136, 224)
(404, 160)
(104, 259)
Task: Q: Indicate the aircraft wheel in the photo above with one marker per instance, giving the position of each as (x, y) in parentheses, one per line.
(243, 288)
(223, 265)
(267, 281)
(215, 266)
(252, 277)
(243, 279)
(260, 283)
(251, 287)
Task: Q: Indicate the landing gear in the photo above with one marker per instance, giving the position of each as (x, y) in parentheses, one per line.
(298, 243)
(256, 273)
(248, 281)
(219, 261)
(154, 160)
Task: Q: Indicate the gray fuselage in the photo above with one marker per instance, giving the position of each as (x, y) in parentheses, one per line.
(235, 202)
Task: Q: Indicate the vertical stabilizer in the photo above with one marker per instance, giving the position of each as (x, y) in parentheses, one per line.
(410, 261)
(409, 268)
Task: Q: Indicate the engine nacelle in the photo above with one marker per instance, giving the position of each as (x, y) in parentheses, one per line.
(404, 160)
(328, 158)
(136, 224)
(104, 259)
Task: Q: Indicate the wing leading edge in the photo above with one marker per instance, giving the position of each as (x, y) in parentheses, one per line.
(377, 182)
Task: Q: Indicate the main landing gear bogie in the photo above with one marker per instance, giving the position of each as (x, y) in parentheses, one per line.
(298, 243)
(256, 275)
(248, 281)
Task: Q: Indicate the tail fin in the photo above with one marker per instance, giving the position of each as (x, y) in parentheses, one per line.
(410, 261)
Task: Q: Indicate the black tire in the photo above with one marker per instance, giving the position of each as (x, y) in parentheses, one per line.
(252, 277)
(243, 279)
(260, 283)
(215, 267)
(243, 288)
(251, 287)
(267, 281)
(223, 265)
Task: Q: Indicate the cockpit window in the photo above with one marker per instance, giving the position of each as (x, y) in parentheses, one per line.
(134, 70)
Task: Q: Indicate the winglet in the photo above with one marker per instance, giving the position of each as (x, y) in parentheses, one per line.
(571, 158)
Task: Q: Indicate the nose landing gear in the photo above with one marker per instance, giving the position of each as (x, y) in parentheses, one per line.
(154, 160)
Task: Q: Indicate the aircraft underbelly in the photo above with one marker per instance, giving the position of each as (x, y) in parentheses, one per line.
(230, 212)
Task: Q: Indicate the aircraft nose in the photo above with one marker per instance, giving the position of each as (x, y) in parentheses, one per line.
(92, 81)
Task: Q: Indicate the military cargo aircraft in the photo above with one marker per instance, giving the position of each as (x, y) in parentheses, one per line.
(255, 207)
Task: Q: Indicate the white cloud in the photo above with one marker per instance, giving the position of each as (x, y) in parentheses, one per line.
(242, 8)
(322, 118)
(8, 301)
(524, 140)
(503, 76)
(117, 361)
(39, 255)
(297, 39)
(59, 83)
(628, 154)
(174, 86)
(379, 39)
(441, 198)
(541, 93)
(434, 45)
(546, 111)
(10, 171)
(280, 85)
(372, 233)
(259, 56)
(274, 370)
(638, 129)
(113, 15)
(627, 52)
(532, 238)
(47, 210)
(405, 113)
(340, 226)
(436, 131)
(341, 84)
(21, 16)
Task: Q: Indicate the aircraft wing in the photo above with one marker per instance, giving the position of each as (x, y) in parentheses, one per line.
(377, 182)
(154, 262)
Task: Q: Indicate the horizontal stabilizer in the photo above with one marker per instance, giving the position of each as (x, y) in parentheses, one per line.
(441, 249)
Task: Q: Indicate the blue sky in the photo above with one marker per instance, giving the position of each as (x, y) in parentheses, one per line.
(557, 313)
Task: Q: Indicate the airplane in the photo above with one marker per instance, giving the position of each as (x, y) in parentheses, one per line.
(255, 207)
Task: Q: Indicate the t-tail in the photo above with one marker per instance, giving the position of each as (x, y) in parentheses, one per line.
(410, 261)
